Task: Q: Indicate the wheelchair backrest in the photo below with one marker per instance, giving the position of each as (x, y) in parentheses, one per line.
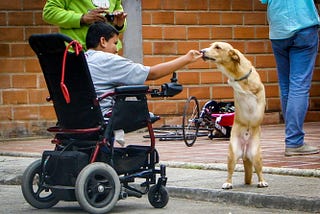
(82, 110)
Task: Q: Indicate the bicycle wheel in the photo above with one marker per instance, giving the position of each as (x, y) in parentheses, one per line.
(190, 121)
(167, 133)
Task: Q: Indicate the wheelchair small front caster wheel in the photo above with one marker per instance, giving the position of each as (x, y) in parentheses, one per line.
(158, 196)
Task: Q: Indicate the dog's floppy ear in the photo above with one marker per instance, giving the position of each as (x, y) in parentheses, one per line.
(234, 56)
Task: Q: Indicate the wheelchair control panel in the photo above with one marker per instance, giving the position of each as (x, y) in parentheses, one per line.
(168, 89)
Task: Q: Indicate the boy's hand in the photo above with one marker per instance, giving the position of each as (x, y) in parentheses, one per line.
(194, 55)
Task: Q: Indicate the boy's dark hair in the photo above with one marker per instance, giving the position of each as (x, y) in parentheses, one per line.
(98, 30)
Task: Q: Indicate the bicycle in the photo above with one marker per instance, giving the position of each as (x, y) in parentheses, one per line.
(215, 121)
(215, 117)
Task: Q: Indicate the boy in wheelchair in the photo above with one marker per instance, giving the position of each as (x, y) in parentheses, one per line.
(84, 165)
(109, 70)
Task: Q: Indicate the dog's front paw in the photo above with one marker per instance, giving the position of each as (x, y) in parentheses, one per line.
(227, 186)
(262, 184)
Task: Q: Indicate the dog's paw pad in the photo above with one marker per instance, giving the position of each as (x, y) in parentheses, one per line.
(262, 184)
(227, 186)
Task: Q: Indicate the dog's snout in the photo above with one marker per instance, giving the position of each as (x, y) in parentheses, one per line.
(203, 52)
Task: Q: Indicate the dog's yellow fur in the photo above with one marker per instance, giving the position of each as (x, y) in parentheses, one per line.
(249, 98)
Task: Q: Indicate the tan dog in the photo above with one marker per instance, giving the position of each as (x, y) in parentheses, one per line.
(249, 98)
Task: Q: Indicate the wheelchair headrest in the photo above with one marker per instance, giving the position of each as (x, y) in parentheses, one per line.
(43, 44)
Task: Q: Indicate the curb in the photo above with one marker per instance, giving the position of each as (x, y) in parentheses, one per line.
(247, 199)
(21, 154)
(239, 168)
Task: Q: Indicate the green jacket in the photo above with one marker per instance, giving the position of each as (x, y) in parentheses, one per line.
(67, 14)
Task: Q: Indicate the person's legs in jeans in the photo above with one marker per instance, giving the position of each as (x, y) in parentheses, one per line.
(295, 59)
(280, 49)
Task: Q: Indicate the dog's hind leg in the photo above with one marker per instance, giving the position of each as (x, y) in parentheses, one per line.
(254, 155)
(257, 163)
(231, 166)
(233, 156)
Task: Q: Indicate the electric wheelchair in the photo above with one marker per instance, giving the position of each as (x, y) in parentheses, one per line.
(85, 165)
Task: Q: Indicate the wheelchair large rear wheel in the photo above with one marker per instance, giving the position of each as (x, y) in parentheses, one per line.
(190, 121)
(97, 188)
(33, 191)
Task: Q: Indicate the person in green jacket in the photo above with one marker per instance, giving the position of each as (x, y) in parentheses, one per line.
(74, 17)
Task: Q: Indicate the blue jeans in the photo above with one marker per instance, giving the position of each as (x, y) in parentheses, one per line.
(295, 59)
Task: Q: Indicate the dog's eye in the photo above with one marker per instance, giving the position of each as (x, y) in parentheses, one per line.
(217, 47)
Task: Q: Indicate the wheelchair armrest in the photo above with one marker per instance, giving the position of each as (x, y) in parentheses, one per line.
(132, 89)
(126, 90)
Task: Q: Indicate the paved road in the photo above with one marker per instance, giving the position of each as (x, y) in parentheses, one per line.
(12, 202)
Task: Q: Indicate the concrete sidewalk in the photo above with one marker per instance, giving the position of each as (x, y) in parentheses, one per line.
(298, 193)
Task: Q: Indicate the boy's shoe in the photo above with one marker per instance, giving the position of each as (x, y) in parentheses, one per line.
(302, 150)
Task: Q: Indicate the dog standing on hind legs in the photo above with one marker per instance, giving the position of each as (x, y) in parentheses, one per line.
(249, 99)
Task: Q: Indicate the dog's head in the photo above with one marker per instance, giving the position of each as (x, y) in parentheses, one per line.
(221, 53)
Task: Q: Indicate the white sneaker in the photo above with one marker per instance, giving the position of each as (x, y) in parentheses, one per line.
(119, 137)
(302, 150)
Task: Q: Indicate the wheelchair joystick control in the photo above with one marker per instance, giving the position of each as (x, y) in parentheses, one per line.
(173, 88)
(174, 77)
(169, 89)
